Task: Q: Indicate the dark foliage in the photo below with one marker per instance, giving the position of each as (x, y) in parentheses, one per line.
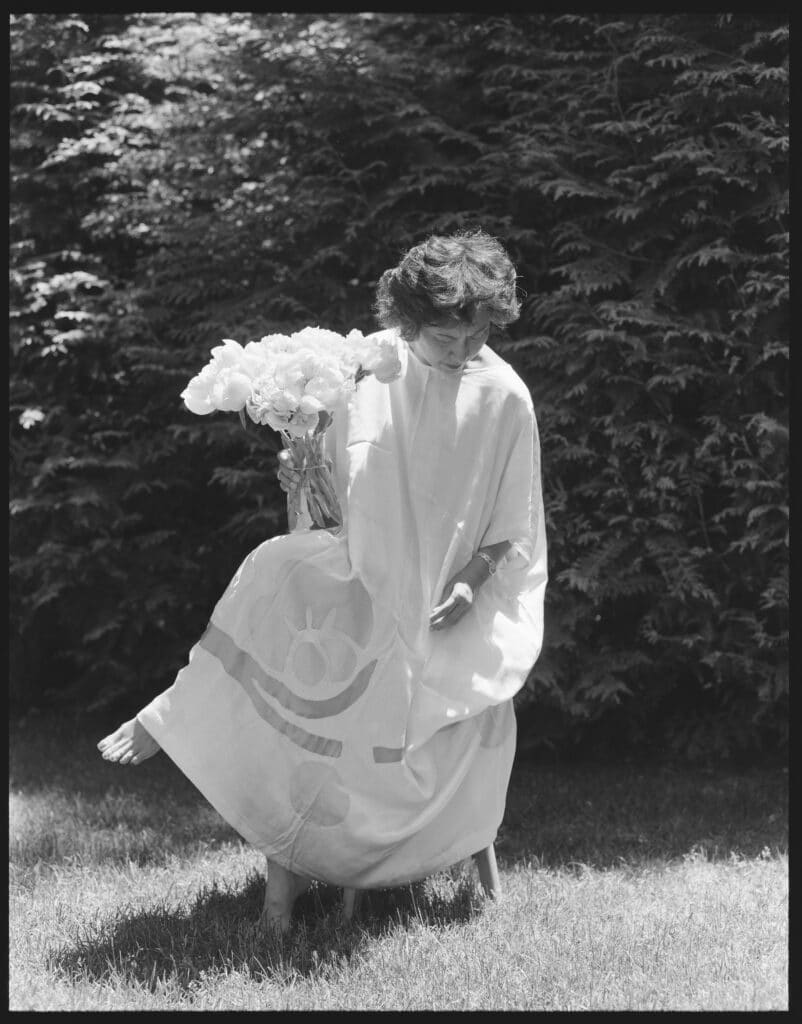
(180, 178)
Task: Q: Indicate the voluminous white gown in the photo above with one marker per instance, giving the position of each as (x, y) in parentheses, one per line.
(318, 713)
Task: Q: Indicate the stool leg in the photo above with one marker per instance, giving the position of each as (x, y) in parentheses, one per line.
(351, 900)
(488, 871)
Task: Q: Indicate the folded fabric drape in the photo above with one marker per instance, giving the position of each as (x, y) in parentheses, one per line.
(318, 713)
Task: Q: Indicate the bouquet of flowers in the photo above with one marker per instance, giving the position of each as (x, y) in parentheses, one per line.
(292, 383)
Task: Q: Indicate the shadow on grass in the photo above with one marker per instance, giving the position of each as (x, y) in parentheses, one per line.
(221, 933)
(600, 814)
(606, 815)
(69, 804)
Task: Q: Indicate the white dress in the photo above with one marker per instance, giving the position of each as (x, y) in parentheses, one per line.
(319, 713)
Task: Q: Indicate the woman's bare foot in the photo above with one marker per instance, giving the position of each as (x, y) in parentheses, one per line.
(283, 888)
(130, 744)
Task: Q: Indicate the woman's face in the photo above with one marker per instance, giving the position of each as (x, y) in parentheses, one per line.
(451, 346)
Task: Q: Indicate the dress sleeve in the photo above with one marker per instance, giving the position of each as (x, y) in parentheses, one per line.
(518, 508)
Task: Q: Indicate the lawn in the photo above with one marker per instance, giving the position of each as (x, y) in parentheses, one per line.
(625, 887)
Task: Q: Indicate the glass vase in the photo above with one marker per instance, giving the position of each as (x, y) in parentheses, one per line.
(315, 498)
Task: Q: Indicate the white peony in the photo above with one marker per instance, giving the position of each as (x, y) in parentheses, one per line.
(284, 401)
(197, 395)
(231, 390)
(302, 424)
(276, 420)
(274, 344)
(224, 383)
(256, 359)
(288, 372)
(309, 404)
(353, 350)
(380, 357)
(229, 354)
(389, 367)
(327, 386)
(317, 338)
(291, 383)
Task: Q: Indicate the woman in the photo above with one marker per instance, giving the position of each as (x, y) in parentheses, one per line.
(349, 708)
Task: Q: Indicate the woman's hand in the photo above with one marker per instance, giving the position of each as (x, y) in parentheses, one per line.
(288, 476)
(458, 594)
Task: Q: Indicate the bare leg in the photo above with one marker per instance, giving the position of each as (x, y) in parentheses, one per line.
(282, 890)
(130, 744)
(488, 871)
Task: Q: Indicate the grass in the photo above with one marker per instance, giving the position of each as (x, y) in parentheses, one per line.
(625, 888)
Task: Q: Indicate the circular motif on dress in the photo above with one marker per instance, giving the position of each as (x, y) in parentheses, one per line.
(341, 656)
(317, 794)
(269, 638)
(309, 665)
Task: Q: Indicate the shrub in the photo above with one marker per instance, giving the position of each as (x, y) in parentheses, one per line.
(178, 178)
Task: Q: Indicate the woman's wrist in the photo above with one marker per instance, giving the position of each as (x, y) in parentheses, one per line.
(487, 561)
(495, 551)
(479, 570)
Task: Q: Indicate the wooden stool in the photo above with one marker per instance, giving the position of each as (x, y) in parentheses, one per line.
(488, 876)
(488, 871)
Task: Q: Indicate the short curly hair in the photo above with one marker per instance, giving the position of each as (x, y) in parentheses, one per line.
(447, 279)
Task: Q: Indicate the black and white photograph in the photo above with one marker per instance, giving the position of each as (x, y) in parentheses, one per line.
(399, 511)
